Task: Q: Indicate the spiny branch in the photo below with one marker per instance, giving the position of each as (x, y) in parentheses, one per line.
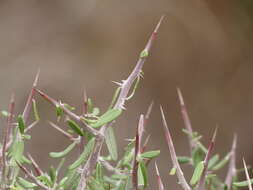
(201, 183)
(125, 87)
(232, 164)
(179, 172)
(30, 98)
(186, 119)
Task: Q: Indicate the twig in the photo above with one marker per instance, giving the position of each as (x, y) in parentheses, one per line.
(201, 183)
(150, 107)
(85, 102)
(159, 180)
(30, 98)
(247, 174)
(179, 172)
(31, 125)
(138, 137)
(32, 177)
(70, 137)
(36, 167)
(69, 113)
(126, 85)
(186, 119)
(7, 138)
(232, 164)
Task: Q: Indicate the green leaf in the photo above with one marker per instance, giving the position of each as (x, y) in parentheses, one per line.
(95, 185)
(213, 161)
(26, 137)
(111, 143)
(75, 127)
(89, 105)
(99, 172)
(197, 173)
(222, 163)
(62, 182)
(114, 98)
(119, 176)
(5, 113)
(21, 124)
(183, 159)
(173, 171)
(242, 183)
(46, 180)
(142, 174)
(197, 156)
(150, 154)
(35, 111)
(95, 111)
(64, 152)
(144, 54)
(53, 174)
(72, 178)
(59, 111)
(26, 184)
(17, 151)
(84, 156)
(71, 108)
(107, 117)
(25, 160)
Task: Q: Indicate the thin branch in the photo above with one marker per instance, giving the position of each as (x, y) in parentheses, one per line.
(145, 144)
(33, 124)
(7, 138)
(36, 167)
(32, 177)
(232, 164)
(148, 113)
(30, 98)
(85, 102)
(179, 172)
(186, 119)
(201, 183)
(139, 132)
(159, 180)
(69, 113)
(69, 136)
(126, 85)
(247, 174)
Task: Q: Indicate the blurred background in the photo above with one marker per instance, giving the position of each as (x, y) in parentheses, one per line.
(204, 47)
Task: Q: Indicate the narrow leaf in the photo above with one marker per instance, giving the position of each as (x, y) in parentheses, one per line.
(21, 124)
(64, 152)
(197, 173)
(107, 117)
(111, 143)
(84, 156)
(75, 127)
(35, 111)
(150, 154)
(26, 184)
(173, 171)
(247, 175)
(142, 175)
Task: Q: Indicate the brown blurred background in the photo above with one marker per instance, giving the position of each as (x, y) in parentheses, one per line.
(204, 47)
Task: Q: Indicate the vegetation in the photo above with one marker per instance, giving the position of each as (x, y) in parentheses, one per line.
(89, 131)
